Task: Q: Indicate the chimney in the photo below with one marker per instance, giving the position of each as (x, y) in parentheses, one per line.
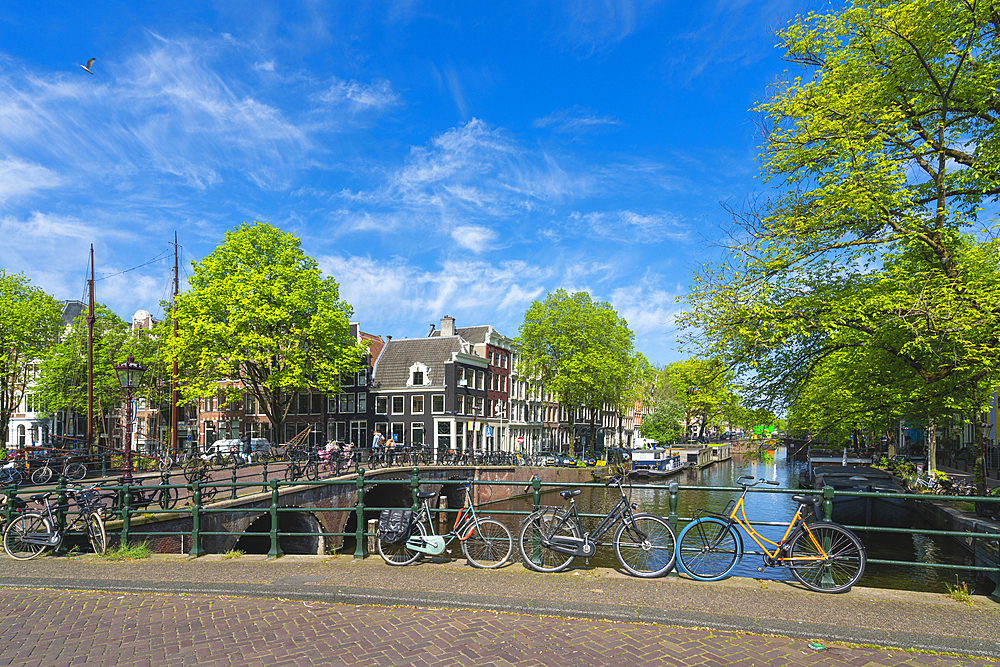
(447, 326)
(431, 330)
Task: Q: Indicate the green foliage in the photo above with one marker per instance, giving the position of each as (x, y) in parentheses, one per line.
(663, 424)
(128, 552)
(62, 381)
(29, 324)
(258, 310)
(706, 390)
(960, 592)
(866, 288)
(582, 350)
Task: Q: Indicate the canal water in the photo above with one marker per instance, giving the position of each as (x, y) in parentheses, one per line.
(774, 507)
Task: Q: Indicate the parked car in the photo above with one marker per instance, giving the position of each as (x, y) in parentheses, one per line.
(615, 455)
(586, 459)
(565, 460)
(547, 458)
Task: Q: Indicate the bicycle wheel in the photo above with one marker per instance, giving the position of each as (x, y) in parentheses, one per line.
(165, 464)
(398, 553)
(647, 547)
(709, 548)
(292, 472)
(192, 470)
(842, 566)
(42, 475)
(76, 472)
(32, 523)
(545, 523)
(95, 532)
(168, 498)
(208, 491)
(489, 545)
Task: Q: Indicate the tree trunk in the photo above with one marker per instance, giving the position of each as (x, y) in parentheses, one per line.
(932, 445)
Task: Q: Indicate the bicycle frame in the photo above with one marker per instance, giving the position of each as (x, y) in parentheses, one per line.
(587, 545)
(738, 515)
(434, 544)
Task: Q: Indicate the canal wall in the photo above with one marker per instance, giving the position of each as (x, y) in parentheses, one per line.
(942, 516)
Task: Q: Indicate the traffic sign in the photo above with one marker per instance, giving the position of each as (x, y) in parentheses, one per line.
(520, 439)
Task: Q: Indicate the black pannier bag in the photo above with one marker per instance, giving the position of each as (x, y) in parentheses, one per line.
(394, 525)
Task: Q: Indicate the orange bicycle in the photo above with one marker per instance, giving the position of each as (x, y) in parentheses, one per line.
(823, 556)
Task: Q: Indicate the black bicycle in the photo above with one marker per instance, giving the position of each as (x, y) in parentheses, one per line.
(32, 533)
(551, 537)
(143, 497)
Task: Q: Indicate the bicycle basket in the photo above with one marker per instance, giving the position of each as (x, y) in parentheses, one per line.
(88, 500)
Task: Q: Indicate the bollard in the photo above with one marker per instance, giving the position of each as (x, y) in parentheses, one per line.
(11, 492)
(359, 549)
(264, 486)
(372, 527)
(672, 517)
(196, 549)
(536, 485)
(275, 551)
(234, 479)
(414, 487)
(104, 465)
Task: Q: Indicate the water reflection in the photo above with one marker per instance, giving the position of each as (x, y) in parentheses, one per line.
(767, 507)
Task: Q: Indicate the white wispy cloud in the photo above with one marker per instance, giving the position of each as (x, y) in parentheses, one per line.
(593, 26)
(574, 121)
(375, 95)
(474, 238)
(631, 227)
(19, 178)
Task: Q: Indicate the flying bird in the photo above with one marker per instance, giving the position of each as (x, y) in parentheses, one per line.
(89, 63)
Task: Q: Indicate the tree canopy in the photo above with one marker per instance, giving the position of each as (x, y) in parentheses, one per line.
(259, 311)
(583, 351)
(868, 285)
(29, 323)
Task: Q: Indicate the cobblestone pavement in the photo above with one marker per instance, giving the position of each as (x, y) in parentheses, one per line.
(43, 628)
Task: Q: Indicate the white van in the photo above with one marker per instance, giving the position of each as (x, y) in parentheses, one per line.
(229, 446)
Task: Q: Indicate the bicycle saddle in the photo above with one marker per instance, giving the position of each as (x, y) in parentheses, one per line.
(39, 497)
(426, 494)
(807, 500)
(569, 494)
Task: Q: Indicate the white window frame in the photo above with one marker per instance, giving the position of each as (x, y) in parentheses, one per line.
(435, 397)
(413, 404)
(402, 405)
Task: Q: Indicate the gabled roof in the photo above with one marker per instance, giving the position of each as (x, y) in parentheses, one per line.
(393, 366)
(475, 335)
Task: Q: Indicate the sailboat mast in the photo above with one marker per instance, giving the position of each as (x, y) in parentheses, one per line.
(91, 318)
(173, 377)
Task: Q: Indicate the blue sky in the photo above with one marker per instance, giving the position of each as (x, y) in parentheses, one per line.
(436, 158)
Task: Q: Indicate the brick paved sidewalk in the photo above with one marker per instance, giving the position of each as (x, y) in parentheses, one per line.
(44, 628)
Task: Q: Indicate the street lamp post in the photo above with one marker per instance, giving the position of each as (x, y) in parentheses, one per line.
(129, 377)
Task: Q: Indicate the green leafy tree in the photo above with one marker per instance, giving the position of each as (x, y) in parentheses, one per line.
(62, 380)
(583, 351)
(29, 324)
(871, 260)
(259, 311)
(706, 390)
(663, 424)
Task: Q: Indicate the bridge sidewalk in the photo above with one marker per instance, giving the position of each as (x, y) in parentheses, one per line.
(926, 621)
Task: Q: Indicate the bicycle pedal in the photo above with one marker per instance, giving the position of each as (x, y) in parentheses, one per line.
(761, 568)
(447, 551)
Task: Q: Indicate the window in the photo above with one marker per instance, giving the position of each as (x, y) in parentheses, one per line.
(480, 379)
(478, 407)
(359, 434)
(363, 378)
(417, 433)
(347, 379)
(418, 378)
(338, 432)
(444, 435)
(381, 405)
(317, 404)
(249, 404)
(362, 402)
(460, 405)
(304, 400)
(397, 432)
(397, 405)
(346, 403)
(437, 403)
(416, 405)
(381, 427)
(460, 373)
(20, 435)
(331, 404)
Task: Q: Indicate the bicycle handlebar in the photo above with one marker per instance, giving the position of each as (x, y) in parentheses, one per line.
(759, 481)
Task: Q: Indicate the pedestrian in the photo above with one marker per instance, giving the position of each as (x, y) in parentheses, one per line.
(245, 440)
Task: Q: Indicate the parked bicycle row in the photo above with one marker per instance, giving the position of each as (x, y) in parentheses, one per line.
(821, 555)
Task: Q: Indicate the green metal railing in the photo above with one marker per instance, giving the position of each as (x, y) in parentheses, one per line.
(267, 494)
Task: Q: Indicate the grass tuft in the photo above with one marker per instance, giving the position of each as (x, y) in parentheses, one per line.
(960, 592)
(233, 553)
(129, 552)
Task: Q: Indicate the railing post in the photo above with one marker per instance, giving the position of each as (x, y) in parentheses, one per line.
(61, 502)
(104, 464)
(672, 517)
(414, 487)
(275, 551)
(235, 465)
(359, 550)
(196, 549)
(828, 503)
(11, 492)
(264, 486)
(126, 512)
(536, 485)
